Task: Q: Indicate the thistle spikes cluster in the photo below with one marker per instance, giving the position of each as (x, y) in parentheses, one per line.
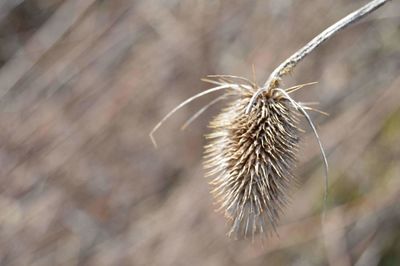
(251, 158)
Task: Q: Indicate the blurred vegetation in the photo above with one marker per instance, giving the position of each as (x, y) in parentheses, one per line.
(82, 83)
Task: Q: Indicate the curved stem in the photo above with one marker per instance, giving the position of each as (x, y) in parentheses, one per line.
(294, 59)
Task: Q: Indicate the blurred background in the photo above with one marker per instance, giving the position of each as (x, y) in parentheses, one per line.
(83, 82)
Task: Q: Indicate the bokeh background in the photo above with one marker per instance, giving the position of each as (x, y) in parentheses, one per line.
(82, 83)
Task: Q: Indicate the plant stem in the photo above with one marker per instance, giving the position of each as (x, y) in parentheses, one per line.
(293, 60)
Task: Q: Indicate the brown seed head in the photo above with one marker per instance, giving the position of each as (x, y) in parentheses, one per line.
(252, 151)
(251, 158)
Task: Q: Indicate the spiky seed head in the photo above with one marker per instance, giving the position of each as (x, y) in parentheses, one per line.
(252, 150)
(250, 158)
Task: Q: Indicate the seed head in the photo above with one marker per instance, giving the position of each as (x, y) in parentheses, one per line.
(251, 159)
(252, 151)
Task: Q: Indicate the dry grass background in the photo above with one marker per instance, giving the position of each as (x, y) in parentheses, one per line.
(82, 82)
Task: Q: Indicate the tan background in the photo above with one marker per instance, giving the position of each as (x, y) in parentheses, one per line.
(82, 83)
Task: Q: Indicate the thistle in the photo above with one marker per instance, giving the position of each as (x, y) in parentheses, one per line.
(251, 156)
(253, 145)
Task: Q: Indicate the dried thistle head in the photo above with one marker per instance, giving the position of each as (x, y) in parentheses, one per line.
(251, 155)
(254, 140)
(251, 158)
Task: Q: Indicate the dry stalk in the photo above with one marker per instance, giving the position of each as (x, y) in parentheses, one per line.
(288, 65)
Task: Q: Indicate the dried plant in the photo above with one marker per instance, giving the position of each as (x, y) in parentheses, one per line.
(254, 140)
(252, 157)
